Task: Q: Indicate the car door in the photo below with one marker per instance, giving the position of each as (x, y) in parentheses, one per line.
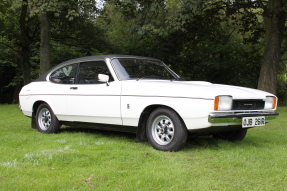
(92, 101)
(55, 91)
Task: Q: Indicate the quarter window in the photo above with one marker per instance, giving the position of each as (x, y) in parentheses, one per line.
(64, 75)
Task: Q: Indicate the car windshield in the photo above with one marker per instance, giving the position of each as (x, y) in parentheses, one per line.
(131, 68)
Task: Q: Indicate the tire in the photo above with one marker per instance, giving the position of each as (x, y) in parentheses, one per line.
(46, 121)
(231, 136)
(165, 130)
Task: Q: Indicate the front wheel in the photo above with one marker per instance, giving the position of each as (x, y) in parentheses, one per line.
(231, 135)
(165, 130)
(46, 121)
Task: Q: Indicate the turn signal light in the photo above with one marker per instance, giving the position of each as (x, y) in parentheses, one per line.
(274, 103)
(216, 102)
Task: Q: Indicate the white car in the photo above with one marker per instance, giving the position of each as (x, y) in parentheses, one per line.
(142, 95)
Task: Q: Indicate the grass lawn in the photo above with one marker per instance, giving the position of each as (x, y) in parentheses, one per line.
(82, 159)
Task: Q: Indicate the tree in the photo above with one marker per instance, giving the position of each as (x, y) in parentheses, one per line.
(45, 45)
(190, 23)
(274, 19)
(196, 38)
(73, 34)
(45, 7)
(19, 33)
(274, 16)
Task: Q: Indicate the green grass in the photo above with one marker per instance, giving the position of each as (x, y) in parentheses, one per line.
(82, 159)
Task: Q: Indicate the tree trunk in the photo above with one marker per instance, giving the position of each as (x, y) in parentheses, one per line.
(25, 42)
(16, 92)
(25, 64)
(45, 54)
(274, 19)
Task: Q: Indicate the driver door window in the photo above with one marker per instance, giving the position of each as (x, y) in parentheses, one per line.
(89, 71)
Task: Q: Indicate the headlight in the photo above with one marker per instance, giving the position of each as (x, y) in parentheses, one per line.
(223, 103)
(270, 102)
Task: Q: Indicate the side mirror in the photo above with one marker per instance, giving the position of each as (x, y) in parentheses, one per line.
(103, 78)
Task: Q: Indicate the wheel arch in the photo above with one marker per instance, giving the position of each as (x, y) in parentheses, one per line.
(36, 105)
(34, 110)
(141, 131)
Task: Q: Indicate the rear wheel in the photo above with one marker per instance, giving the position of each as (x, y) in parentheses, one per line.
(231, 135)
(46, 121)
(165, 130)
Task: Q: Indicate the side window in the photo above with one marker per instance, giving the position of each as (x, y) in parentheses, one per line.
(64, 75)
(89, 71)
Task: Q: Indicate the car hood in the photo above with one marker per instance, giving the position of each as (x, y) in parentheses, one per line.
(189, 89)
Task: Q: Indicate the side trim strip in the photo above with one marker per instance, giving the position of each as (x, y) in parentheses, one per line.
(42, 94)
(167, 97)
(116, 95)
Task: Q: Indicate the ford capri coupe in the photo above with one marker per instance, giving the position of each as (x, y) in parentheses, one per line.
(144, 96)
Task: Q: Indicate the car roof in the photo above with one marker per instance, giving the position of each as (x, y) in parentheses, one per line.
(90, 58)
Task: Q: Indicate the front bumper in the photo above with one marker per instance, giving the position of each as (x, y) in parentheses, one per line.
(235, 118)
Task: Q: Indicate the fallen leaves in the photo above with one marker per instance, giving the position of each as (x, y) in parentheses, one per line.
(88, 181)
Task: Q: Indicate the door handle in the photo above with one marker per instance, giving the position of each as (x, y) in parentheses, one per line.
(73, 88)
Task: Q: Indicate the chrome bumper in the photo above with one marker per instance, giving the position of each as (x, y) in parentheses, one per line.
(226, 119)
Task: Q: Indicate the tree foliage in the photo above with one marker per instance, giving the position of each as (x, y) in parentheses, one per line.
(198, 39)
(234, 42)
(180, 28)
(73, 34)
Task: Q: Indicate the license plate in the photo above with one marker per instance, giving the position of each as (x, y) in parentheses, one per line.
(253, 121)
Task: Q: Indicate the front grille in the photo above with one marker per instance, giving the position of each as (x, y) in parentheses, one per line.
(248, 104)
